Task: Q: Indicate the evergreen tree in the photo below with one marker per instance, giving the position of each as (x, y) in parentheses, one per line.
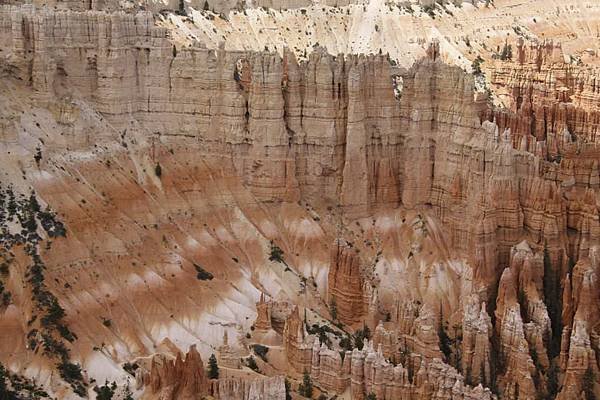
(127, 395)
(213, 367)
(252, 364)
(276, 254)
(288, 388)
(306, 387)
(506, 52)
(445, 342)
(105, 392)
(371, 396)
(552, 298)
(588, 384)
(4, 392)
(552, 382)
(333, 309)
(476, 66)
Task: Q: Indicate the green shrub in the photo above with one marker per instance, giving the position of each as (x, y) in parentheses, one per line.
(288, 387)
(360, 336)
(260, 351)
(588, 384)
(476, 65)
(203, 274)
(105, 392)
(130, 368)
(306, 387)
(213, 367)
(276, 253)
(251, 363)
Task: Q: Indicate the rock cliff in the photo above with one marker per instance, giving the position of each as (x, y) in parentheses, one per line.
(203, 192)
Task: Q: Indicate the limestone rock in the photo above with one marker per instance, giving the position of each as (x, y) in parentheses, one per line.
(263, 318)
(178, 379)
(345, 284)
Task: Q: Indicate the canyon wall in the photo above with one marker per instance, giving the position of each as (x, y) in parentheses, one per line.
(515, 201)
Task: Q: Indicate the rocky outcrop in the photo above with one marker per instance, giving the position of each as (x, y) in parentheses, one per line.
(177, 379)
(523, 326)
(579, 349)
(186, 379)
(228, 357)
(517, 367)
(330, 368)
(476, 351)
(551, 99)
(297, 342)
(368, 371)
(250, 388)
(345, 284)
(263, 317)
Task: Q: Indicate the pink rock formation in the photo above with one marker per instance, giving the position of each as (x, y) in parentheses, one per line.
(263, 318)
(178, 379)
(516, 366)
(345, 284)
(297, 343)
(579, 348)
(476, 362)
(227, 356)
(250, 388)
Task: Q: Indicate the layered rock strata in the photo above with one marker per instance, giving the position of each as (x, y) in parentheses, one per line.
(186, 379)
(178, 379)
(345, 284)
(257, 137)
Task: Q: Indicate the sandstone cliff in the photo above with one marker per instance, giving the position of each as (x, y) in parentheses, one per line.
(176, 169)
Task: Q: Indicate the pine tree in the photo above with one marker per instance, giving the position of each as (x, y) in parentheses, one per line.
(588, 384)
(105, 392)
(552, 382)
(506, 52)
(371, 396)
(476, 66)
(288, 387)
(251, 362)
(333, 309)
(127, 395)
(445, 342)
(552, 297)
(306, 388)
(213, 367)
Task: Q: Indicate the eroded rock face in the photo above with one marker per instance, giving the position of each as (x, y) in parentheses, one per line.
(368, 371)
(250, 389)
(345, 284)
(174, 168)
(263, 319)
(297, 342)
(579, 351)
(178, 379)
(476, 346)
(186, 379)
